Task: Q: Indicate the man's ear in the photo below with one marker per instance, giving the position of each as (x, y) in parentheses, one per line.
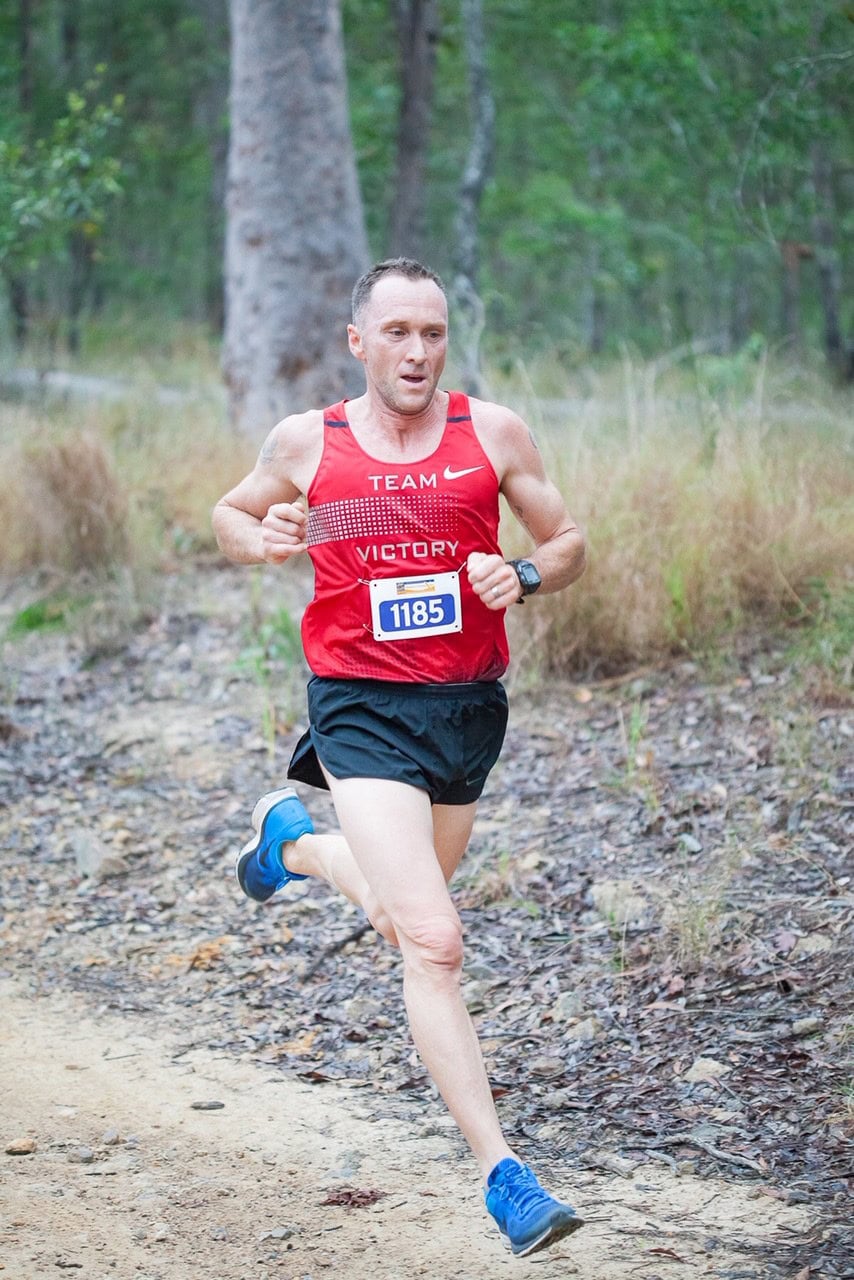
(354, 339)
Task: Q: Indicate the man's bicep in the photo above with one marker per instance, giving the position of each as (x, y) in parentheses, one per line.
(537, 503)
(258, 491)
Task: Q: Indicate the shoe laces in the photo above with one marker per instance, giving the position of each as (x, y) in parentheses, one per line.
(521, 1188)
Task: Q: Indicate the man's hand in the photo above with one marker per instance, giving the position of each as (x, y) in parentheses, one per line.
(493, 580)
(283, 531)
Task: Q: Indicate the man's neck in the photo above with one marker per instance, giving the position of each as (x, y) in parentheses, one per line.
(383, 430)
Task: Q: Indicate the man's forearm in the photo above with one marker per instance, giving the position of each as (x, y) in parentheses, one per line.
(238, 534)
(561, 560)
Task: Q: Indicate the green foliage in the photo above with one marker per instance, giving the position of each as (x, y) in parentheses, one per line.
(272, 655)
(827, 642)
(649, 161)
(61, 183)
(49, 614)
(274, 645)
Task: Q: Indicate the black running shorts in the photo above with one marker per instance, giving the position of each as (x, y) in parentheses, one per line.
(441, 738)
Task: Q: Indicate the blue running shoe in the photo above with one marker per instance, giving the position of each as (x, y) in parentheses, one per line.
(277, 817)
(527, 1216)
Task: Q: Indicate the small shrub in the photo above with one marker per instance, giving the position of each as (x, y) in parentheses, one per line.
(51, 613)
(76, 510)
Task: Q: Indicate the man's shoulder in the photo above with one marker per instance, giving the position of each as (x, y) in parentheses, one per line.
(296, 422)
(504, 435)
(489, 411)
(497, 421)
(299, 430)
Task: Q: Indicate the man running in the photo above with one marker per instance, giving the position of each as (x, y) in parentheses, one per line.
(405, 637)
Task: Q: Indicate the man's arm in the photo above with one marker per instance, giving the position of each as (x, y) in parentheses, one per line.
(537, 503)
(263, 517)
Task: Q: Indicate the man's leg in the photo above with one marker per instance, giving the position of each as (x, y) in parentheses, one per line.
(328, 856)
(390, 829)
(394, 858)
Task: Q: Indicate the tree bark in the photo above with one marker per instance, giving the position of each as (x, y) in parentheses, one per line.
(740, 300)
(469, 308)
(80, 249)
(295, 237)
(19, 301)
(791, 253)
(594, 302)
(827, 254)
(418, 32)
(210, 109)
(827, 258)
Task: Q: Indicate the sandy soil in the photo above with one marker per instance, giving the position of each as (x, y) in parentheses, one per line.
(128, 1181)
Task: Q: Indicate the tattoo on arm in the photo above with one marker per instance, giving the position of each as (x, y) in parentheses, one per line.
(269, 449)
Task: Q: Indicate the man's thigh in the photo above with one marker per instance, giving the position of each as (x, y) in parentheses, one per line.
(389, 827)
(452, 826)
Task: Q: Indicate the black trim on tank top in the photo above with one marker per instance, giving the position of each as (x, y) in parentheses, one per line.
(336, 422)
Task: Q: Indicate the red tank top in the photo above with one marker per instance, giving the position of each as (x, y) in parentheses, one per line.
(370, 520)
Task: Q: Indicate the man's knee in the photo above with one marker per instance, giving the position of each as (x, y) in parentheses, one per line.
(435, 943)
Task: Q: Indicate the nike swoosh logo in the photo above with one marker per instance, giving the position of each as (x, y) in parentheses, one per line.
(449, 474)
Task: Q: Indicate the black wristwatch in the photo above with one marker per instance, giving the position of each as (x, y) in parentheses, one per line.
(529, 579)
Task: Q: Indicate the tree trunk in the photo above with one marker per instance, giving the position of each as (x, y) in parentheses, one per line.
(594, 307)
(19, 301)
(594, 302)
(295, 237)
(791, 253)
(469, 309)
(210, 115)
(827, 257)
(740, 300)
(70, 36)
(80, 249)
(418, 32)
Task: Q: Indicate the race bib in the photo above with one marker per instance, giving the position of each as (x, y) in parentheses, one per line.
(425, 606)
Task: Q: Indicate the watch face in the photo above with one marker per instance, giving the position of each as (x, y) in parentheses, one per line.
(528, 575)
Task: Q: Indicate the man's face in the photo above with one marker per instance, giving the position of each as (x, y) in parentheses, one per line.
(402, 340)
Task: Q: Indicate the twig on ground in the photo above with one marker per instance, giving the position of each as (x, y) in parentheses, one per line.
(334, 947)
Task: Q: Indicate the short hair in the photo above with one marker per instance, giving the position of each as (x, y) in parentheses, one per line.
(406, 267)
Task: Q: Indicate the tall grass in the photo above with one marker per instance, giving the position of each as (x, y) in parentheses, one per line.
(90, 487)
(715, 502)
(710, 511)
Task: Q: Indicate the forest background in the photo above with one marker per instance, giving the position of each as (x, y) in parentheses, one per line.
(644, 213)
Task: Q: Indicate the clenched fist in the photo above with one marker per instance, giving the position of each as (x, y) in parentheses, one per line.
(283, 531)
(493, 580)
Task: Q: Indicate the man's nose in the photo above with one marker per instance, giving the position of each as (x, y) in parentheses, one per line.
(416, 349)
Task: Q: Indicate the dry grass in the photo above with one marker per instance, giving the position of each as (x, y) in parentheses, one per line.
(697, 530)
(90, 488)
(713, 505)
(72, 510)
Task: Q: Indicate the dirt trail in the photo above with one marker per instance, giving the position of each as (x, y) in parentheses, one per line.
(129, 995)
(167, 1192)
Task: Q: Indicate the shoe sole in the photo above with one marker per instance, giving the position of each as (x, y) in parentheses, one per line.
(558, 1231)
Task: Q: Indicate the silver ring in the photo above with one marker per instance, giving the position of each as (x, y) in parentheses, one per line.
(496, 591)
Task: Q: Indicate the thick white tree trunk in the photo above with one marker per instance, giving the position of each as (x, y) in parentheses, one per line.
(295, 239)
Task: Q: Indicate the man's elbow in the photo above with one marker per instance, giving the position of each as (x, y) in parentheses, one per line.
(217, 522)
(579, 562)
